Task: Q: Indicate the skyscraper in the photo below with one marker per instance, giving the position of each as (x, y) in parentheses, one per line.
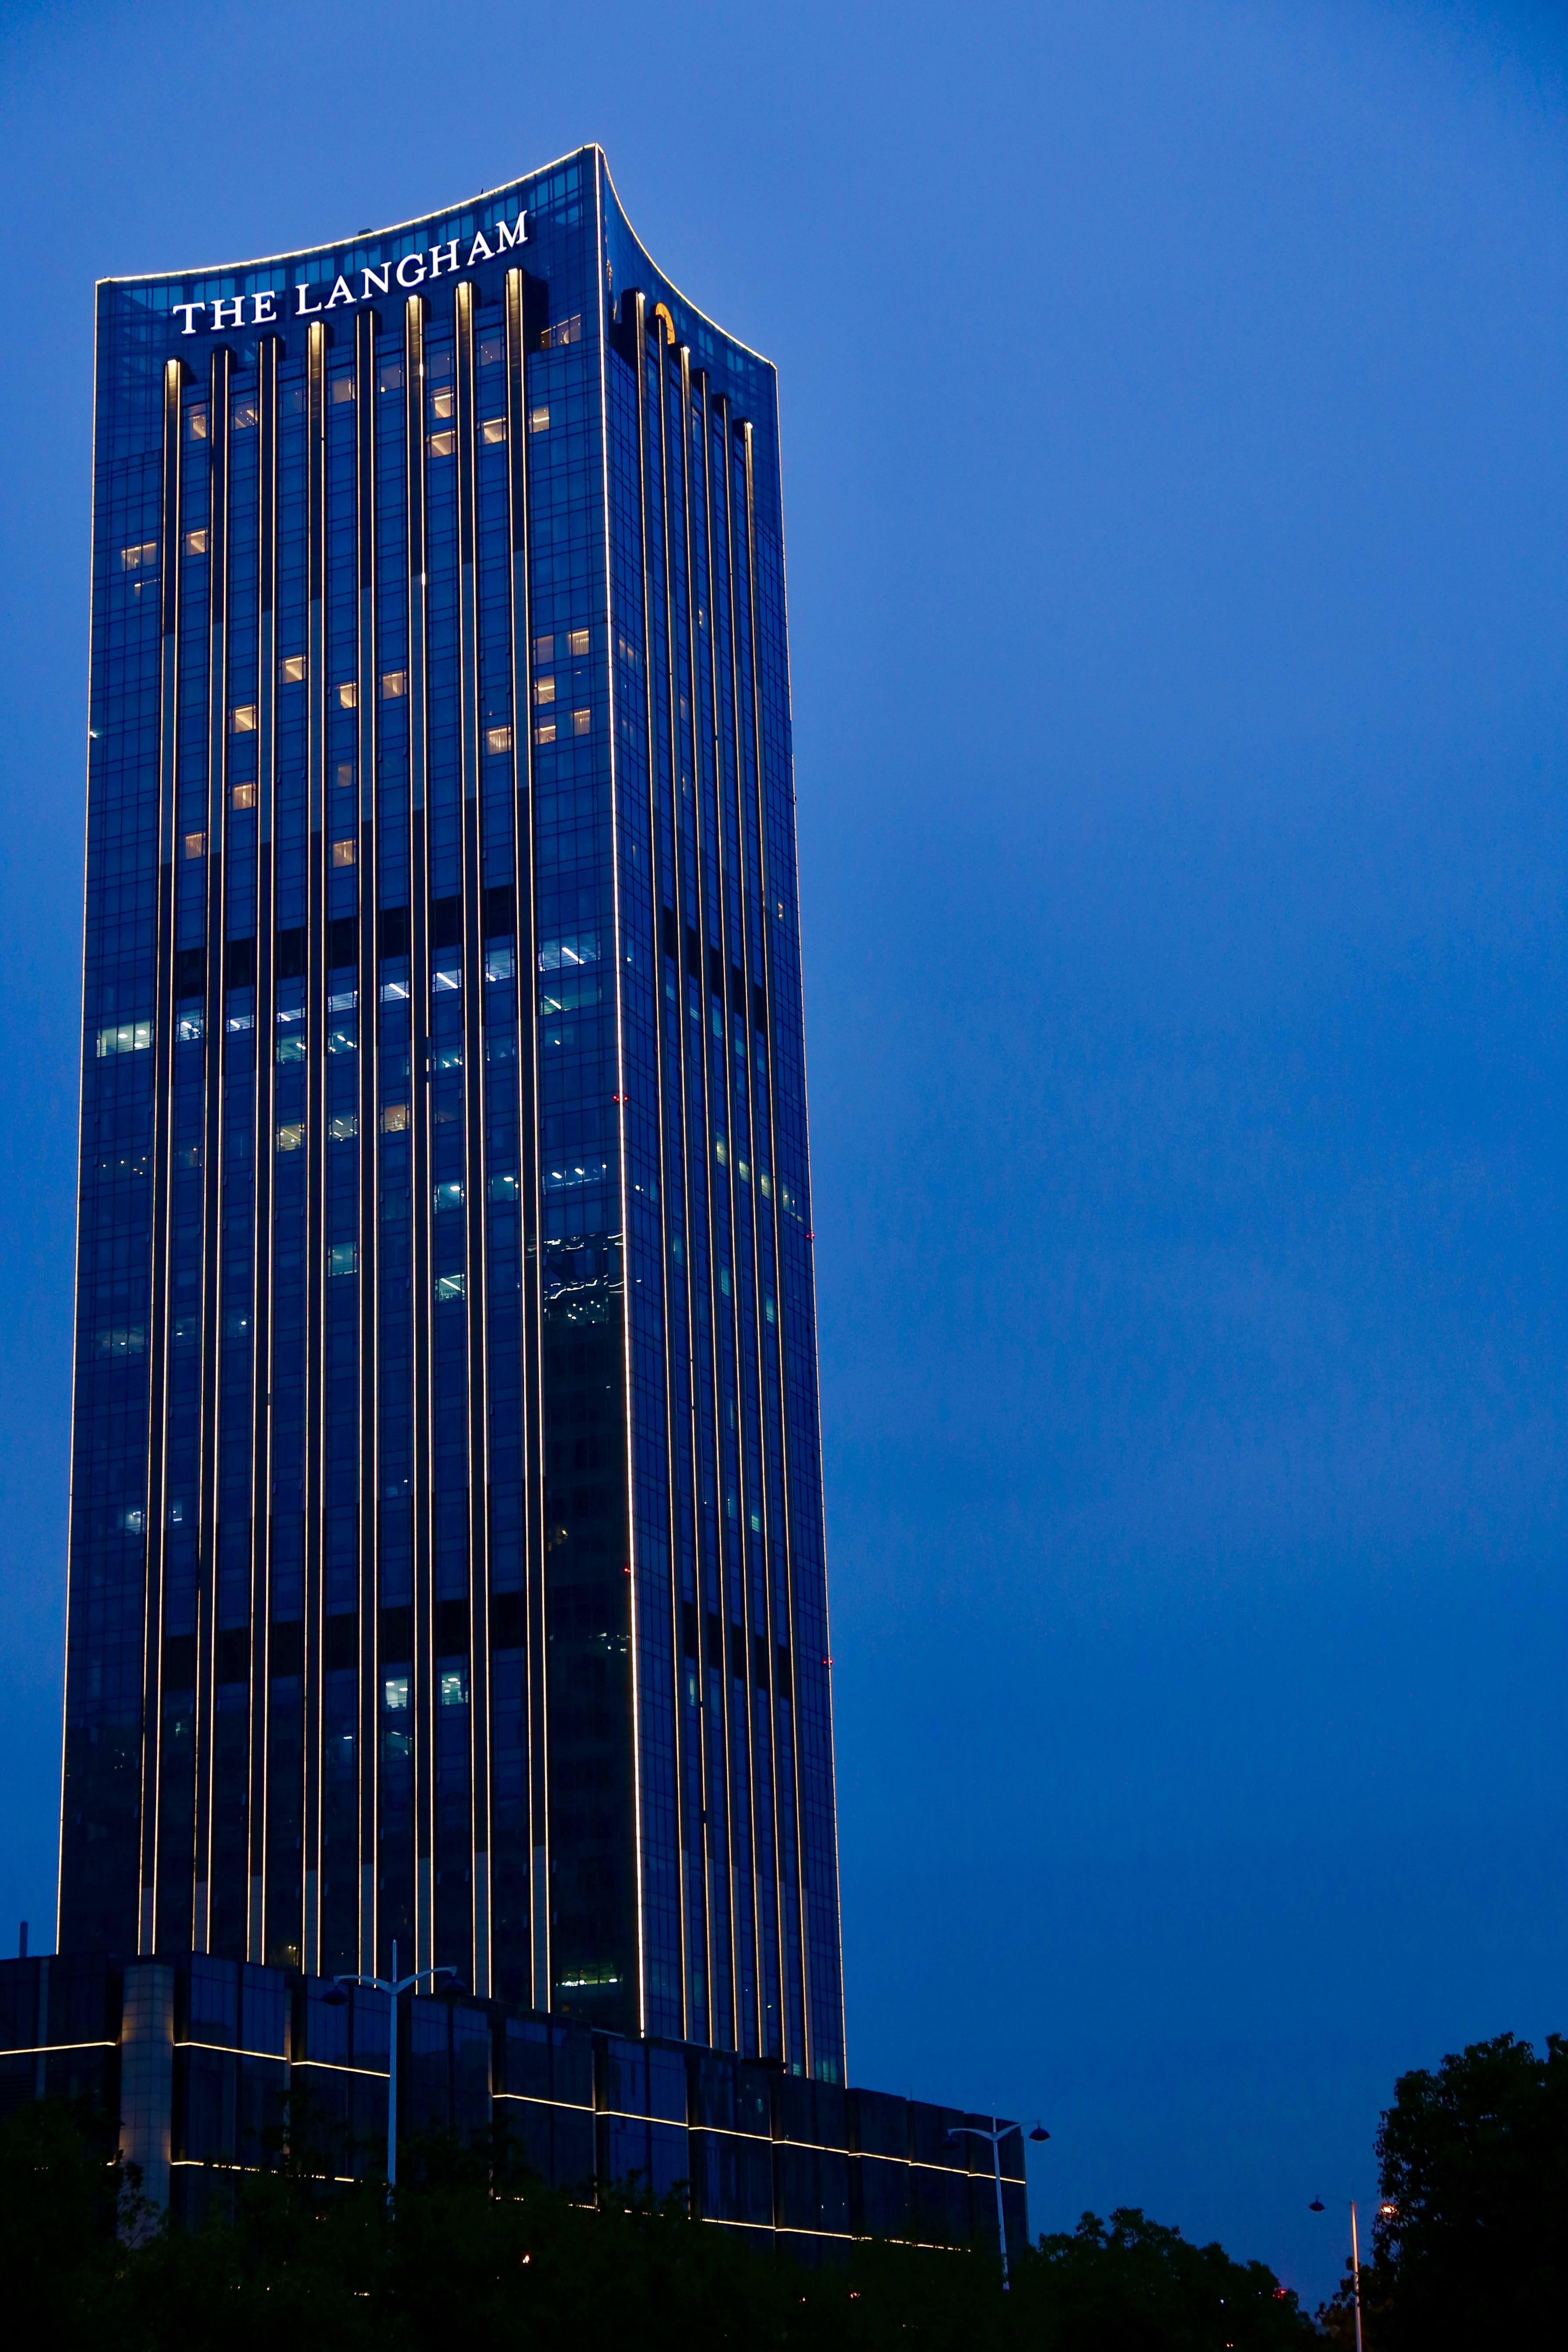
(447, 1558)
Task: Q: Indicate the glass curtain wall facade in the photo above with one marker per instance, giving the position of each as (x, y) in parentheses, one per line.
(447, 1551)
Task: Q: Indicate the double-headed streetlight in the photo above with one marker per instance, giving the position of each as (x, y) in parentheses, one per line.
(996, 2134)
(395, 1987)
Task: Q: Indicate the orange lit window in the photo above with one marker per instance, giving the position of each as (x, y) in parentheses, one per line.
(539, 420)
(291, 669)
(498, 738)
(196, 543)
(195, 845)
(493, 429)
(443, 402)
(140, 558)
(243, 796)
(247, 415)
(342, 389)
(394, 1119)
(581, 721)
(545, 690)
(345, 775)
(348, 695)
(242, 719)
(343, 852)
(196, 423)
(545, 732)
(544, 649)
(394, 684)
(578, 642)
(443, 443)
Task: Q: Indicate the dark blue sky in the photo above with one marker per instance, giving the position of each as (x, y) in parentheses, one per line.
(1174, 471)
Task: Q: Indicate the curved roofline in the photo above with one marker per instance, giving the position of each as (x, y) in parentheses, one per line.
(331, 244)
(440, 212)
(395, 228)
(694, 308)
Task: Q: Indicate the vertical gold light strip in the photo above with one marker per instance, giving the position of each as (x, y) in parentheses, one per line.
(476, 1220)
(628, 1358)
(155, 1506)
(633, 320)
(315, 1129)
(714, 1293)
(530, 1215)
(744, 788)
(420, 1279)
(212, 1145)
(368, 1261)
(261, 1324)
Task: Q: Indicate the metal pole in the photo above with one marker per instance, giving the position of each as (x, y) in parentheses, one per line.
(1001, 2224)
(1355, 2275)
(391, 2087)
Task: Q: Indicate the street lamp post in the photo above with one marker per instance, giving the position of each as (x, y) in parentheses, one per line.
(996, 2134)
(393, 1986)
(1355, 2275)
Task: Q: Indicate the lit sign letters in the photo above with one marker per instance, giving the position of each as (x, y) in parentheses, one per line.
(411, 271)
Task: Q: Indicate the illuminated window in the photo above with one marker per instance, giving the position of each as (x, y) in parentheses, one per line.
(291, 1135)
(443, 443)
(721, 1151)
(454, 1689)
(449, 1287)
(243, 796)
(190, 1027)
(247, 415)
(577, 643)
(196, 543)
(490, 350)
(343, 1257)
(345, 775)
(545, 732)
(391, 376)
(449, 1196)
(581, 721)
(348, 694)
(344, 1126)
(544, 649)
(342, 389)
(394, 684)
(565, 331)
(539, 420)
(195, 845)
(395, 1690)
(498, 738)
(395, 1118)
(343, 852)
(493, 429)
(766, 1181)
(503, 1188)
(196, 423)
(242, 719)
(290, 1049)
(124, 1037)
(498, 960)
(444, 401)
(545, 690)
(140, 558)
(291, 669)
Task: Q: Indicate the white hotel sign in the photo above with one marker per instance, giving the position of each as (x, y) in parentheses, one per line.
(408, 273)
